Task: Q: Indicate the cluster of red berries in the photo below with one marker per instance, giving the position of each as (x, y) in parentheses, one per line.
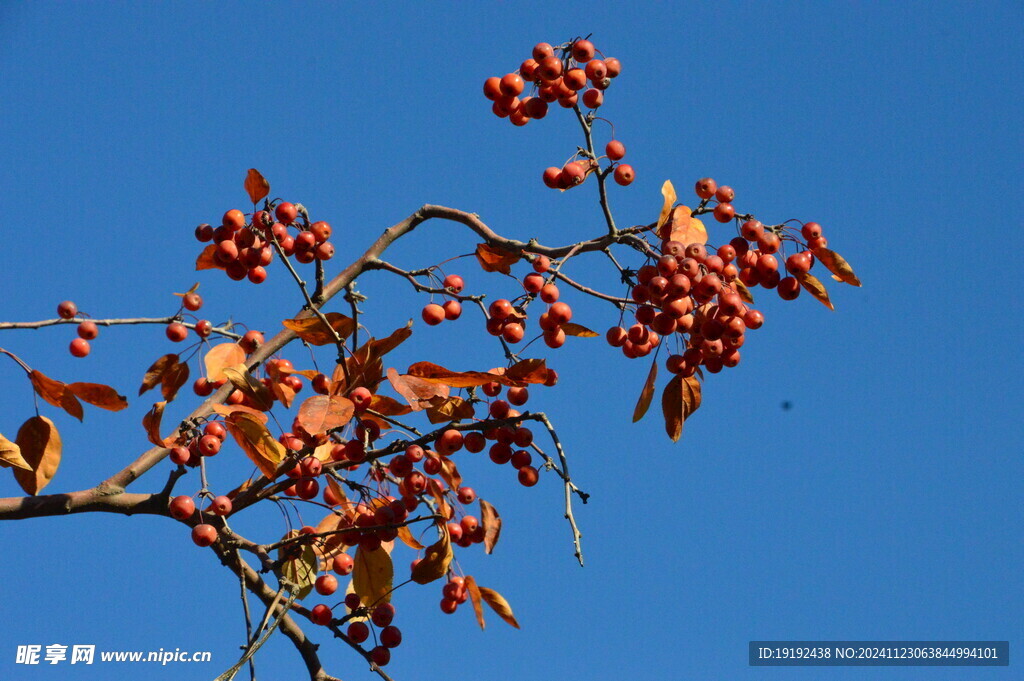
(433, 314)
(696, 292)
(509, 443)
(559, 74)
(245, 250)
(381, 616)
(87, 329)
(554, 78)
(505, 320)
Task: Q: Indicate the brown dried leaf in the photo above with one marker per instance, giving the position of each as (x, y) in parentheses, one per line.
(151, 422)
(10, 455)
(372, 575)
(815, 288)
(99, 395)
(474, 597)
(382, 404)
(206, 261)
(256, 441)
(172, 380)
(220, 356)
(321, 413)
(436, 560)
(578, 330)
(156, 372)
(250, 386)
(315, 332)
(56, 393)
(669, 192)
(491, 522)
(405, 534)
(301, 571)
(415, 390)
(672, 408)
(445, 409)
(527, 371)
(256, 185)
(499, 605)
(493, 259)
(380, 347)
(331, 545)
(647, 394)
(346, 506)
(742, 290)
(455, 379)
(450, 473)
(41, 448)
(837, 265)
(443, 507)
(693, 404)
(228, 409)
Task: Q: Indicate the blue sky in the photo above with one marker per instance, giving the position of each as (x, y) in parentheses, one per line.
(884, 504)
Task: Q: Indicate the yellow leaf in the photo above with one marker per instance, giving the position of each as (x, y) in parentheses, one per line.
(249, 385)
(499, 605)
(256, 441)
(405, 534)
(815, 288)
(491, 522)
(578, 330)
(300, 571)
(669, 192)
(10, 455)
(372, 575)
(220, 357)
(837, 265)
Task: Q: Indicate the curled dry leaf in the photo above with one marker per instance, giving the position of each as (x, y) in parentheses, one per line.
(493, 259)
(40, 447)
(345, 506)
(151, 422)
(300, 571)
(321, 413)
(315, 332)
(450, 473)
(256, 441)
(256, 185)
(172, 380)
(221, 356)
(837, 265)
(372, 575)
(528, 370)
(155, 372)
(578, 330)
(99, 395)
(228, 409)
(491, 522)
(10, 455)
(474, 597)
(815, 288)
(56, 393)
(250, 386)
(405, 534)
(499, 605)
(436, 560)
(445, 409)
(644, 402)
(669, 193)
(742, 290)
(436, 491)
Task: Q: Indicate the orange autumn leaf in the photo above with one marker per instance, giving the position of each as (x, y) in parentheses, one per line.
(435, 562)
(221, 356)
(647, 394)
(99, 395)
(499, 605)
(321, 413)
(669, 194)
(491, 522)
(40, 446)
(493, 259)
(256, 185)
(815, 288)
